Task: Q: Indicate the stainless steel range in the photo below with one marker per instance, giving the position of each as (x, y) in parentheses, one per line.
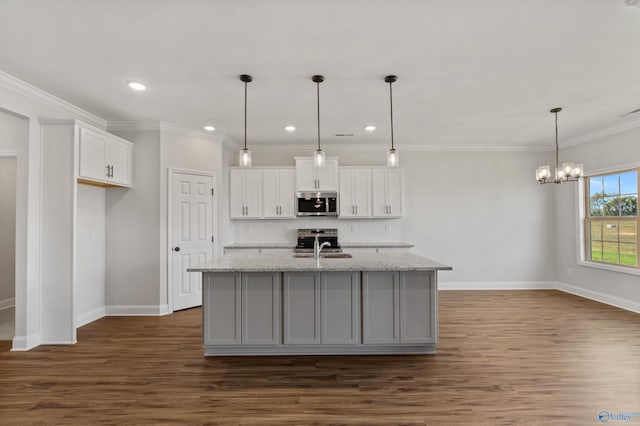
(307, 237)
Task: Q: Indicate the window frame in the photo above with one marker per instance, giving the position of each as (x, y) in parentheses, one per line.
(585, 221)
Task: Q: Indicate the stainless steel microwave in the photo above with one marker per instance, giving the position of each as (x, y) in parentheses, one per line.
(316, 203)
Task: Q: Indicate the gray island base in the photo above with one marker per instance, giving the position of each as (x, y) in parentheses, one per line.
(279, 305)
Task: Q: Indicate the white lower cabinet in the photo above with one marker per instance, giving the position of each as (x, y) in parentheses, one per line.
(321, 308)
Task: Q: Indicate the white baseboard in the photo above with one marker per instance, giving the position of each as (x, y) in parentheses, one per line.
(7, 303)
(498, 285)
(91, 316)
(618, 302)
(137, 310)
(24, 343)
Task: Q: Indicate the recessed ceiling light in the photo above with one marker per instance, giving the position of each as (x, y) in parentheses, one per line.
(289, 128)
(209, 128)
(138, 87)
(370, 128)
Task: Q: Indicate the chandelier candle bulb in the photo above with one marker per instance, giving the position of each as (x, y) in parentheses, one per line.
(578, 170)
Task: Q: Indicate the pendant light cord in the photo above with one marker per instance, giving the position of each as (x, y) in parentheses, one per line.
(391, 105)
(245, 115)
(318, 101)
(557, 149)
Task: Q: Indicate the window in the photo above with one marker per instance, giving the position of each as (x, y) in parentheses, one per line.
(611, 218)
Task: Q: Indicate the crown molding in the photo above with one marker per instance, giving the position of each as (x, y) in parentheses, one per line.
(400, 148)
(602, 133)
(39, 95)
(163, 126)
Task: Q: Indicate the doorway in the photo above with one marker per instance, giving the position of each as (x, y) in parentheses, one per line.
(191, 234)
(8, 170)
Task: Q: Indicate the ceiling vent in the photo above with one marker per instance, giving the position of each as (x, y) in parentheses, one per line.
(344, 134)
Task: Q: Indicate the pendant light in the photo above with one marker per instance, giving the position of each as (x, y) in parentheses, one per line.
(318, 154)
(245, 155)
(569, 172)
(393, 157)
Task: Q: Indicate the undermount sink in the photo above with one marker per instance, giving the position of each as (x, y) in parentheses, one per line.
(324, 256)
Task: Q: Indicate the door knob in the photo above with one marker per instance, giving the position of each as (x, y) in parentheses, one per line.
(176, 249)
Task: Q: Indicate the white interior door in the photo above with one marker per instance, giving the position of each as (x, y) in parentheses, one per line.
(192, 235)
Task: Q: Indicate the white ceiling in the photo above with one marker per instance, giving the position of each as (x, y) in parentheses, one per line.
(470, 72)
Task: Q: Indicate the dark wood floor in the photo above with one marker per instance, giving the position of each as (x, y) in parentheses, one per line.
(509, 357)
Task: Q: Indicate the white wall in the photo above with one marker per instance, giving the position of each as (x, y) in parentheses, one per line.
(7, 231)
(481, 212)
(90, 254)
(607, 153)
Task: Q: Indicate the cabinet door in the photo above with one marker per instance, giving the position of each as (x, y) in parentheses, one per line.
(305, 175)
(362, 192)
(301, 308)
(271, 193)
(347, 201)
(92, 162)
(327, 176)
(287, 194)
(236, 194)
(394, 190)
(380, 308)
(118, 156)
(340, 301)
(253, 193)
(221, 304)
(418, 307)
(260, 308)
(379, 193)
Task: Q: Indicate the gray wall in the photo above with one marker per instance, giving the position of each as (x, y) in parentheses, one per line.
(615, 151)
(7, 230)
(481, 212)
(90, 250)
(133, 228)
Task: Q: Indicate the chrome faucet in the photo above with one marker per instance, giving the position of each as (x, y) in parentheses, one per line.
(317, 247)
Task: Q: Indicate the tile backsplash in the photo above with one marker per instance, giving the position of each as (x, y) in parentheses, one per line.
(285, 231)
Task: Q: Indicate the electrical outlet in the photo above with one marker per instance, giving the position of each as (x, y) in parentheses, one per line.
(569, 271)
(386, 229)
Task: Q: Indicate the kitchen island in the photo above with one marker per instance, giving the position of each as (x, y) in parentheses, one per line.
(275, 304)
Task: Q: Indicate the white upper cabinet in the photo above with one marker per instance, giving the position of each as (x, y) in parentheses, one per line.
(104, 158)
(278, 193)
(387, 192)
(311, 178)
(355, 193)
(245, 193)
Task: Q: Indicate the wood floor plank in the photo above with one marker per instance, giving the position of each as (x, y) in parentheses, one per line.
(504, 357)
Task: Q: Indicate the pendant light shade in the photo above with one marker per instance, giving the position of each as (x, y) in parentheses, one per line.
(569, 172)
(244, 159)
(393, 157)
(318, 154)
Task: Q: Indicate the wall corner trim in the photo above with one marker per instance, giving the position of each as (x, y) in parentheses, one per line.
(25, 343)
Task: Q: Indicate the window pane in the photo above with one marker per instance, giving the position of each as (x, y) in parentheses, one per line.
(596, 206)
(596, 230)
(610, 252)
(596, 251)
(595, 185)
(629, 183)
(629, 254)
(629, 205)
(610, 231)
(611, 206)
(628, 232)
(611, 184)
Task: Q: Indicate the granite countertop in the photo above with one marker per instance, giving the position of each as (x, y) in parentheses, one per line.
(284, 262)
(293, 245)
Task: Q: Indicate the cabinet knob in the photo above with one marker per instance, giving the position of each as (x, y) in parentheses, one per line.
(176, 249)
